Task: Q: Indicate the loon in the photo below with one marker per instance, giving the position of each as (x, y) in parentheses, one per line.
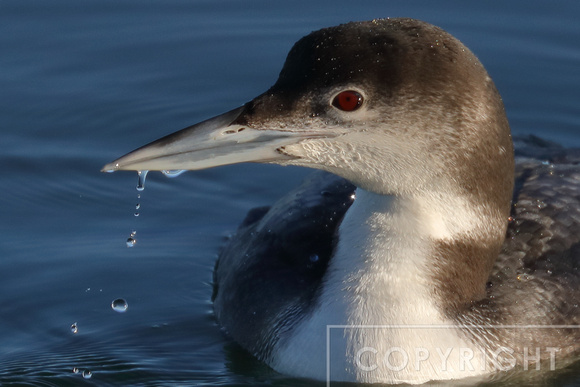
(423, 249)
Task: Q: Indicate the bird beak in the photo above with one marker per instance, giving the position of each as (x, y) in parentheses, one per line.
(221, 140)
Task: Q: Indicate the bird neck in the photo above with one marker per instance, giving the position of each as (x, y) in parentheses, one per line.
(411, 259)
(380, 284)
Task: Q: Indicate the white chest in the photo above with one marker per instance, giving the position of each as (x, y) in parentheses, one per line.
(376, 320)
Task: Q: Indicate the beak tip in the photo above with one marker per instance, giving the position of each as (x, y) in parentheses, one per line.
(110, 168)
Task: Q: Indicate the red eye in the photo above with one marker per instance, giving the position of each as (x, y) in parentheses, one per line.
(348, 100)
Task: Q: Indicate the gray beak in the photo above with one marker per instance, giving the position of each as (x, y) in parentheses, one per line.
(221, 140)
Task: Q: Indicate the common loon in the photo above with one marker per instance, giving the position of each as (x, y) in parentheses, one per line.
(403, 261)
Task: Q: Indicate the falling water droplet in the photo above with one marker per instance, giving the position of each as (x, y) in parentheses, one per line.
(142, 176)
(137, 206)
(131, 241)
(119, 305)
(173, 173)
(87, 374)
(74, 328)
(141, 183)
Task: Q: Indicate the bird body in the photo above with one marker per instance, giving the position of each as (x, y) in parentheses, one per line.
(395, 268)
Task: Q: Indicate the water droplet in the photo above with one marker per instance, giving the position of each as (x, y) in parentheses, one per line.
(119, 305)
(87, 374)
(173, 173)
(74, 328)
(131, 242)
(141, 183)
(137, 206)
(314, 258)
(75, 370)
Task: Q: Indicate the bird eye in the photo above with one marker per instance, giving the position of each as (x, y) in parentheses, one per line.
(348, 100)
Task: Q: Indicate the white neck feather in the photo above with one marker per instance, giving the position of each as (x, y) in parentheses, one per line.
(379, 277)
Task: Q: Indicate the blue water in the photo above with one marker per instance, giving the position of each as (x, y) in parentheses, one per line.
(82, 83)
